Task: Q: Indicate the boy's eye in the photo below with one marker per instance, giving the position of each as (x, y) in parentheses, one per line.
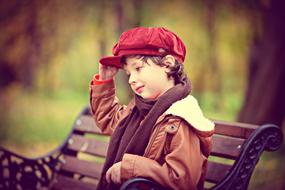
(138, 68)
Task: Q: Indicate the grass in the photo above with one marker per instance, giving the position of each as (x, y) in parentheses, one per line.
(269, 172)
(39, 120)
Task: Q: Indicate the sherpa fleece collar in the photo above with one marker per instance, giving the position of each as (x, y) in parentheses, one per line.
(189, 109)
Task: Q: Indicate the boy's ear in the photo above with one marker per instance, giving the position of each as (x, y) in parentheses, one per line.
(169, 61)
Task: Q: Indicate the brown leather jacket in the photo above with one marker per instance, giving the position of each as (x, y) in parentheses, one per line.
(176, 155)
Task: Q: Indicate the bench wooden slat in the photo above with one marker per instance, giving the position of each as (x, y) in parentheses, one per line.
(64, 183)
(88, 145)
(216, 171)
(234, 129)
(226, 147)
(86, 124)
(83, 167)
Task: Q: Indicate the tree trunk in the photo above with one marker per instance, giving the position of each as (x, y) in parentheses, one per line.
(264, 99)
(102, 29)
(33, 50)
(214, 70)
(127, 19)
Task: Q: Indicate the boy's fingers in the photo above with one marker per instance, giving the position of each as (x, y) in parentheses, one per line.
(115, 174)
(118, 179)
(115, 178)
(112, 175)
(108, 175)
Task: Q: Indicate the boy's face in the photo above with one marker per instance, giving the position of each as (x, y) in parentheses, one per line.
(147, 80)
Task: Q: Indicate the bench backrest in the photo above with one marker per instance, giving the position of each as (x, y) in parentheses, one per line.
(87, 147)
(227, 143)
(84, 156)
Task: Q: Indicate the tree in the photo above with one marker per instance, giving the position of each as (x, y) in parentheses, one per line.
(264, 100)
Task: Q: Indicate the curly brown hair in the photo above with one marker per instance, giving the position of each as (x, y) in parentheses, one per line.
(176, 71)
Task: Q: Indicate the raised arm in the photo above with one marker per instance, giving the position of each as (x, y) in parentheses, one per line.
(105, 106)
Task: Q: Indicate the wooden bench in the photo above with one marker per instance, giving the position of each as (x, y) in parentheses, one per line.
(77, 163)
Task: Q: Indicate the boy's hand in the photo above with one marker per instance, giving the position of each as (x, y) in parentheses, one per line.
(114, 173)
(107, 72)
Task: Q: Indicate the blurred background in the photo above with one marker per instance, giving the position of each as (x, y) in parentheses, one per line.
(49, 51)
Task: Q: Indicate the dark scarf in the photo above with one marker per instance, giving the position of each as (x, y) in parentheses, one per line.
(131, 135)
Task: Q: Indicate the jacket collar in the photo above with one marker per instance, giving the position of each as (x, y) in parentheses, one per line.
(189, 109)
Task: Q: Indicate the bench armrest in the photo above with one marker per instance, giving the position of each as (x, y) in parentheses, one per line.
(141, 183)
(267, 137)
(16, 170)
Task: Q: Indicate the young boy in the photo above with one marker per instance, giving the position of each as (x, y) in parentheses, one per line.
(162, 134)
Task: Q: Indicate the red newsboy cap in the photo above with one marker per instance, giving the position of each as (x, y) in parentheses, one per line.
(146, 41)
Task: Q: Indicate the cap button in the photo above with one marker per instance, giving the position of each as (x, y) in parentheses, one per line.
(161, 50)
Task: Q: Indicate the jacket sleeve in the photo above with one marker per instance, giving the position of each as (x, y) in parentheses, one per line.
(105, 106)
(183, 164)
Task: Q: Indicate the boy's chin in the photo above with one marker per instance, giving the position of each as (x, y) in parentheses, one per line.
(142, 96)
(147, 97)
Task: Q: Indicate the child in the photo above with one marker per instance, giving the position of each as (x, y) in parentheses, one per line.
(162, 134)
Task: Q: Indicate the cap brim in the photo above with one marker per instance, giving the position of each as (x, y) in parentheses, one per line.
(114, 61)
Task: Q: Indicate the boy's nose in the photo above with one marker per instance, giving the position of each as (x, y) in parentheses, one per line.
(132, 79)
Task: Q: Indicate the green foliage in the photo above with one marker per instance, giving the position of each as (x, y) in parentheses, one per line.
(221, 107)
